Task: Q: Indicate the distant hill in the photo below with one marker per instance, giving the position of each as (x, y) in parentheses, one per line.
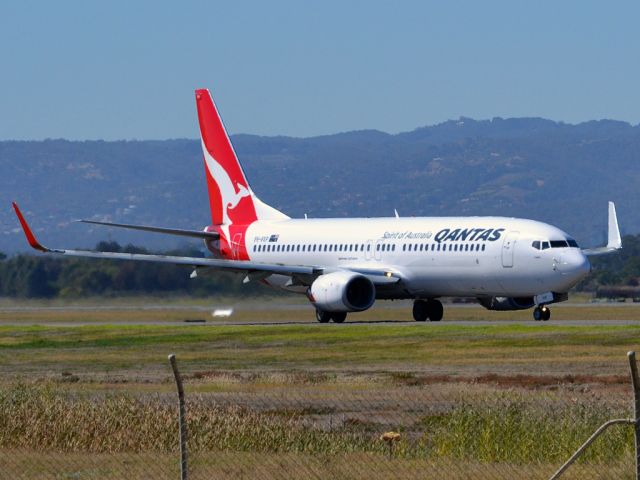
(527, 167)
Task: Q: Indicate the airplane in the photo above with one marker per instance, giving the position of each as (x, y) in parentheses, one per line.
(344, 265)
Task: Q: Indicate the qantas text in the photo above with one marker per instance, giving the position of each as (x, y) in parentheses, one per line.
(468, 235)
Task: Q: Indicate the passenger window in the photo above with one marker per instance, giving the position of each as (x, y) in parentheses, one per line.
(483, 247)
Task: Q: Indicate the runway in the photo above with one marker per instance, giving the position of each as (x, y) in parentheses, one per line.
(195, 323)
(269, 314)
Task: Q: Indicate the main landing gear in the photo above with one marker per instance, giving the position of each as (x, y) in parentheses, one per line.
(541, 312)
(325, 317)
(431, 309)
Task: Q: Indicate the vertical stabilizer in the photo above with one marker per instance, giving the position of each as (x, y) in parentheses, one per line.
(230, 197)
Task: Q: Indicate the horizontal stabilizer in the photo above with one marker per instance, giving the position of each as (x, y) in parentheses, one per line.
(168, 231)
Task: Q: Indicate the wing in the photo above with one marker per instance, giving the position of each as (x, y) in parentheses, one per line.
(231, 265)
(303, 273)
(614, 242)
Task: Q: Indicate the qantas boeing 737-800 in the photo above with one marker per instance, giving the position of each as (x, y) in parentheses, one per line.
(343, 265)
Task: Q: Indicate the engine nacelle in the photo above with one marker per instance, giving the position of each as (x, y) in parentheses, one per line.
(342, 292)
(507, 303)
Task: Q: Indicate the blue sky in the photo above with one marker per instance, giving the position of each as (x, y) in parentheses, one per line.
(127, 69)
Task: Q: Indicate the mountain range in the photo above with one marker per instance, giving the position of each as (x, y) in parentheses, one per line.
(527, 167)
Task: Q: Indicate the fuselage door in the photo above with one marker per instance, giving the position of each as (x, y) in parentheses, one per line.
(508, 248)
(377, 252)
(236, 245)
(368, 250)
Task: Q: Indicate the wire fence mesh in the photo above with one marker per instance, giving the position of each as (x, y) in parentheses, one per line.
(272, 424)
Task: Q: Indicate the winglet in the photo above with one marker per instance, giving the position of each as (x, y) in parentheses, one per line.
(27, 230)
(614, 240)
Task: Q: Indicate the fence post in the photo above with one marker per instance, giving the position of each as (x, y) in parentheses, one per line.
(636, 407)
(183, 424)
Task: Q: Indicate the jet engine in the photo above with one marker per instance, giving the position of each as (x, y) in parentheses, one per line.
(342, 292)
(506, 303)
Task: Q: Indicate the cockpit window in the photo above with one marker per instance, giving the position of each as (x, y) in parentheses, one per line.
(559, 244)
(572, 243)
(536, 245)
(545, 245)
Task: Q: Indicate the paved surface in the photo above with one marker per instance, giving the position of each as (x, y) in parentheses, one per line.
(313, 324)
(202, 315)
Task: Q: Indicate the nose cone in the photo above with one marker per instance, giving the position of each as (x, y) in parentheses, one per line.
(574, 264)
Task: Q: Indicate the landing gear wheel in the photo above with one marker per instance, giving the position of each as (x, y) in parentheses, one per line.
(436, 312)
(322, 316)
(546, 313)
(420, 310)
(427, 309)
(537, 314)
(338, 317)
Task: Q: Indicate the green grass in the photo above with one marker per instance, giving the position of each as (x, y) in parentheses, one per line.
(142, 348)
(510, 399)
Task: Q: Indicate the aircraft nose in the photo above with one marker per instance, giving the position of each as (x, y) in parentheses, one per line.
(575, 263)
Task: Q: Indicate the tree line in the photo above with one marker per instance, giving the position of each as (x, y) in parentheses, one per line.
(44, 276)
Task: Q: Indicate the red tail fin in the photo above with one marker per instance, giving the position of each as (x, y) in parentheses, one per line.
(230, 196)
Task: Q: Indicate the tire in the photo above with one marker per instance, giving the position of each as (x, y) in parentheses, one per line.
(537, 314)
(546, 314)
(322, 316)
(338, 317)
(420, 311)
(435, 309)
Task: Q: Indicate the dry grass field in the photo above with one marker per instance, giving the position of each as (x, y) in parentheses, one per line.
(272, 394)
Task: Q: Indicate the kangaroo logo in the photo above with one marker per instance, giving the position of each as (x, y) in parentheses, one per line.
(231, 194)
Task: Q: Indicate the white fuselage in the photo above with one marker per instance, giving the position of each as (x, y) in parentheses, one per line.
(435, 256)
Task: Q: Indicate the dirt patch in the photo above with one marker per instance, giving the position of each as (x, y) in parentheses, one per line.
(511, 381)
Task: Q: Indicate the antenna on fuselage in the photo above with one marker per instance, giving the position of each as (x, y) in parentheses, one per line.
(396, 213)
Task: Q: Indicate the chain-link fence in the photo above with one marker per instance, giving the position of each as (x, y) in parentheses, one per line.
(271, 424)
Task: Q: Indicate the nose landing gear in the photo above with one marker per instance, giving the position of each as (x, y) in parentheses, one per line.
(541, 312)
